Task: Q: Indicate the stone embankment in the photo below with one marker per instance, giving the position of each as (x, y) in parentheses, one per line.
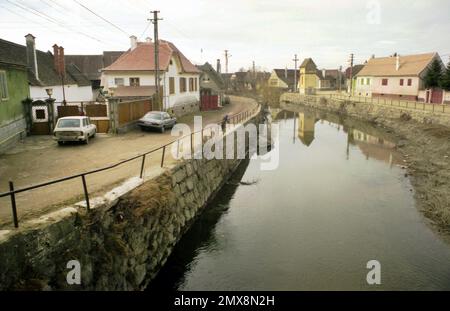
(120, 244)
(423, 137)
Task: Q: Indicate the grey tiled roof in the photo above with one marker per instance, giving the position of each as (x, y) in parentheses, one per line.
(14, 53)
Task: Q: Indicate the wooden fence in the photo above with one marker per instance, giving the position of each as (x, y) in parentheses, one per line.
(129, 112)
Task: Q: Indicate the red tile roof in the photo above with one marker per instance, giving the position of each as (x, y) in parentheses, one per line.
(142, 58)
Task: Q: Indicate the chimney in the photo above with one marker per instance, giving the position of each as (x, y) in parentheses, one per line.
(397, 63)
(31, 55)
(148, 39)
(56, 57)
(133, 42)
(218, 67)
(373, 56)
(61, 62)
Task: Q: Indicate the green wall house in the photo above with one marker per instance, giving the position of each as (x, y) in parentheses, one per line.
(14, 89)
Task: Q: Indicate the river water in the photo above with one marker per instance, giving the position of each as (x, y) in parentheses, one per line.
(338, 200)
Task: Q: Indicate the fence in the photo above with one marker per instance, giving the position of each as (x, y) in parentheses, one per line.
(441, 108)
(234, 119)
(98, 112)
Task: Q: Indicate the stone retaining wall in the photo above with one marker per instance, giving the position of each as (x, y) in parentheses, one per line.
(120, 246)
(367, 111)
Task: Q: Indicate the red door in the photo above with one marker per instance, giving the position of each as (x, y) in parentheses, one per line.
(436, 96)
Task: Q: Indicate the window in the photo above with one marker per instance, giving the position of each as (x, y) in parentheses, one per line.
(182, 85)
(196, 84)
(402, 81)
(119, 81)
(368, 81)
(3, 86)
(409, 82)
(384, 82)
(40, 114)
(171, 85)
(85, 123)
(134, 81)
(362, 81)
(191, 84)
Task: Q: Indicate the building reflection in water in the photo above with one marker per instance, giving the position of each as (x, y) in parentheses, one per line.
(374, 147)
(306, 127)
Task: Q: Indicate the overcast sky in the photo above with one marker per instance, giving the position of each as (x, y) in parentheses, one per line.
(269, 32)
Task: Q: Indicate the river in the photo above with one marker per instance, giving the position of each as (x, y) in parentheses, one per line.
(338, 200)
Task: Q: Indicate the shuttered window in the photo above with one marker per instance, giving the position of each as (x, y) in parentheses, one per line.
(195, 84)
(409, 82)
(135, 82)
(191, 84)
(384, 82)
(182, 85)
(3, 86)
(171, 85)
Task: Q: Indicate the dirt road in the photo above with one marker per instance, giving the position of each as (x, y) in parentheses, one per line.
(39, 159)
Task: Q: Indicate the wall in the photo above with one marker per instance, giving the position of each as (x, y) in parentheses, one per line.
(308, 81)
(274, 81)
(12, 120)
(370, 111)
(73, 92)
(393, 86)
(122, 243)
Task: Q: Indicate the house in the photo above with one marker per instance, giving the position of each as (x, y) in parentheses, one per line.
(43, 72)
(283, 78)
(132, 76)
(47, 74)
(211, 87)
(91, 65)
(310, 77)
(13, 90)
(330, 79)
(350, 76)
(397, 77)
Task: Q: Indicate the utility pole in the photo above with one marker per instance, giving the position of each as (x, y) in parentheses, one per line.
(155, 20)
(227, 56)
(295, 72)
(340, 79)
(352, 58)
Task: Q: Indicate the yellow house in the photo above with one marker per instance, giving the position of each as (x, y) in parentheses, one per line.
(306, 128)
(309, 77)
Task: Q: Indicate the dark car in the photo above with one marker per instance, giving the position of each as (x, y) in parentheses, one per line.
(158, 120)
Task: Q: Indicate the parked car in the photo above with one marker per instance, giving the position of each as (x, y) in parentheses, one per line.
(74, 129)
(158, 120)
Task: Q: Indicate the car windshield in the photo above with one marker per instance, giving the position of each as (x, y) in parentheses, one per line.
(153, 115)
(69, 123)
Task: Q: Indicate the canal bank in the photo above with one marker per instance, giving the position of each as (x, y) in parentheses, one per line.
(423, 137)
(125, 238)
(338, 199)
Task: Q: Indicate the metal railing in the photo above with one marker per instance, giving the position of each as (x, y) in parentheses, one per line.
(233, 119)
(441, 108)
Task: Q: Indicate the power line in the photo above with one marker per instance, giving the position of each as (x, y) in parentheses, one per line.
(101, 17)
(50, 19)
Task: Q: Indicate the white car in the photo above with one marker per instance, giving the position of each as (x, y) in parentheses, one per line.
(74, 129)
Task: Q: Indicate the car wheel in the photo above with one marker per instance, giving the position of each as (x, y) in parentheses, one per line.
(95, 133)
(60, 143)
(86, 139)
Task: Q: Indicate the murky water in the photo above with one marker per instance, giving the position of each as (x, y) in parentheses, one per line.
(338, 200)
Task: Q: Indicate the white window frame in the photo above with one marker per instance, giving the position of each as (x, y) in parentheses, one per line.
(5, 79)
(123, 81)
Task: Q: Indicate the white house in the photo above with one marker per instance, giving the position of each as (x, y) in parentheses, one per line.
(132, 76)
(396, 77)
(45, 73)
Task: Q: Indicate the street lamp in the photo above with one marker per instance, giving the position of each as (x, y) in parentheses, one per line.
(49, 92)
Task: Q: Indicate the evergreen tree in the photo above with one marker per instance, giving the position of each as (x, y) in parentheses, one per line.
(445, 80)
(433, 77)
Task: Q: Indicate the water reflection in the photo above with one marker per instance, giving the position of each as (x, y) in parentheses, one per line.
(372, 143)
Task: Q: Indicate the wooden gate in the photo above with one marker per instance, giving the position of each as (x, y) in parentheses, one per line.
(436, 96)
(40, 118)
(208, 101)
